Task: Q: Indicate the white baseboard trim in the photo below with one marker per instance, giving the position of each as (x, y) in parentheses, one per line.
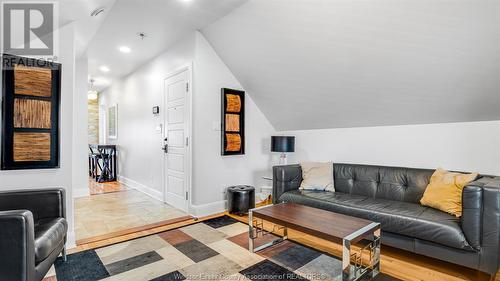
(81, 192)
(195, 210)
(153, 193)
(70, 240)
(208, 209)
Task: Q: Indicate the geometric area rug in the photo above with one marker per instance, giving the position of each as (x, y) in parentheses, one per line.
(216, 249)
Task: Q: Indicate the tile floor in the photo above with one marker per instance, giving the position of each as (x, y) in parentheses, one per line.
(110, 212)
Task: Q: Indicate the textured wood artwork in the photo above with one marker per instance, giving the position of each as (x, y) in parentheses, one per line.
(233, 103)
(31, 146)
(233, 126)
(33, 81)
(232, 123)
(32, 113)
(233, 142)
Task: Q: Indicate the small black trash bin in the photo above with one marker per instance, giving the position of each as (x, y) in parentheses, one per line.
(240, 199)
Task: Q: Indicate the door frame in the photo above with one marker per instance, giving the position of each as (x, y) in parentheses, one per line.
(103, 127)
(189, 150)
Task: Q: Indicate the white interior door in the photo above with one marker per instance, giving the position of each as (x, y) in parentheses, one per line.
(176, 140)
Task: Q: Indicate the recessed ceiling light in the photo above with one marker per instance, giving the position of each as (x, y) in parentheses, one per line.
(125, 49)
(104, 68)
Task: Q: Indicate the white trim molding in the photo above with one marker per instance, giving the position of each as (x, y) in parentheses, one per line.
(81, 192)
(70, 240)
(151, 192)
(208, 209)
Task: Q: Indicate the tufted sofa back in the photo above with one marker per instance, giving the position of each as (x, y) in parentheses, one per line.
(392, 183)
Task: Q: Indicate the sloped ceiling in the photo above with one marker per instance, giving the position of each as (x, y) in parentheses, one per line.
(78, 11)
(163, 21)
(348, 63)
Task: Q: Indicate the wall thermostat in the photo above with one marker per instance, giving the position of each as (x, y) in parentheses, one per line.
(156, 110)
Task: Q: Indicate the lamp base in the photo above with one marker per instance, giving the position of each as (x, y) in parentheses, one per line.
(283, 160)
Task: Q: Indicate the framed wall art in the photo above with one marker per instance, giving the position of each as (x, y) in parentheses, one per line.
(113, 122)
(30, 113)
(233, 122)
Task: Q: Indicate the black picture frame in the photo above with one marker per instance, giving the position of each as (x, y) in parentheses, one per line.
(8, 129)
(241, 113)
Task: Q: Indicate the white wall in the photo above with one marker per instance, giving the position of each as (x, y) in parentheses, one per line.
(139, 144)
(140, 156)
(212, 172)
(80, 130)
(61, 177)
(469, 147)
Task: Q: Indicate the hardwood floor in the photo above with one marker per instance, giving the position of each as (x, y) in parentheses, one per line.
(138, 234)
(132, 230)
(397, 263)
(106, 187)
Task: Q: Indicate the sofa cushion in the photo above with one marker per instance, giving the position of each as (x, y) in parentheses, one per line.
(391, 183)
(317, 176)
(409, 219)
(49, 233)
(444, 192)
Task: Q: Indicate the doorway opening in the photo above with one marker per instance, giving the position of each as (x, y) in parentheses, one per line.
(118, 204)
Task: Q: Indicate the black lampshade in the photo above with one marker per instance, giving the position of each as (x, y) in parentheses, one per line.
(282, 144)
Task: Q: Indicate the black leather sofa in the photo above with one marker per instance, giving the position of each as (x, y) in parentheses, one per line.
(32, 232)
(391, 195)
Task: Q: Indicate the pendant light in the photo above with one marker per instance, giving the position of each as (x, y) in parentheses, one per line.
(92, 94)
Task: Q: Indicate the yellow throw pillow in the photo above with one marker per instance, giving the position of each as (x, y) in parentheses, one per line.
(444, 191)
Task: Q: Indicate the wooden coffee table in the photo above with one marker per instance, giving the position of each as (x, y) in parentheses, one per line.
(325, 225)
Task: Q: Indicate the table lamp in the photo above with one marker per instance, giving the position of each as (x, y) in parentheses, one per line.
(283, 144)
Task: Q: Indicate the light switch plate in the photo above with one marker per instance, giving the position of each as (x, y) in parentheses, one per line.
(159, 128)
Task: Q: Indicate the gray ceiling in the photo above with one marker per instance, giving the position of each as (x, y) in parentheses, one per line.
(349, 63)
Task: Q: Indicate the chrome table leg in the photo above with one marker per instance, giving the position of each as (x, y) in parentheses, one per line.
(357, 271)
(376, 254)
(346, 260)
(250, 232)
(253, 233)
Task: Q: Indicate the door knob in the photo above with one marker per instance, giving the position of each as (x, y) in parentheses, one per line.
(165, 147)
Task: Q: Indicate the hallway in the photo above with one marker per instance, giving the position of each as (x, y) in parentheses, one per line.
(118, 211)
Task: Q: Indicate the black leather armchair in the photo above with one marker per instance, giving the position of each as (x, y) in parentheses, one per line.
(391, 196)
(33, 232)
